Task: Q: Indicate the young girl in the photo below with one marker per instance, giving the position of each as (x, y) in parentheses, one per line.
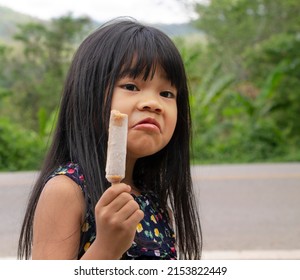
(73, 212)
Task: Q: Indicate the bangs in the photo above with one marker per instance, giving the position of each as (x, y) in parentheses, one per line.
(146, 49)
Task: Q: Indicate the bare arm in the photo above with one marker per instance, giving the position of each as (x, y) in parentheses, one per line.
(57, 221)
(59, 215)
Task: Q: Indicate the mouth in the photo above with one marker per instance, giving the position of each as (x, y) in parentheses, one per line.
(148, 123)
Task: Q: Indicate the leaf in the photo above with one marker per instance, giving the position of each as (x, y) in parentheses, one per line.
(217, 88)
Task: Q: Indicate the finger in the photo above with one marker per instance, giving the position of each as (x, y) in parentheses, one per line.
(112, 192)
(134, 219)
(128, 210)
(119, 202)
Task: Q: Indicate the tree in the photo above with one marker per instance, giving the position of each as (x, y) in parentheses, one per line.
(257, 115)
(235, 25)
(40, 69)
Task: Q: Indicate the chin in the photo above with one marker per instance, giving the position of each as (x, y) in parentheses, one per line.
(139, 146)
(141, 154)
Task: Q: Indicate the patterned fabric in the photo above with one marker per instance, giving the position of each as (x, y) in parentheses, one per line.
(155, 239)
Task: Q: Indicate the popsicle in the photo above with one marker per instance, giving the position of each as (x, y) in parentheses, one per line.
(116, 147)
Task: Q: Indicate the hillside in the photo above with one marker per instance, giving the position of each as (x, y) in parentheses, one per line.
(10, 19)
(178, 29)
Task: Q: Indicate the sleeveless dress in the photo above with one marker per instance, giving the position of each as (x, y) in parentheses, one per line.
(154, 239)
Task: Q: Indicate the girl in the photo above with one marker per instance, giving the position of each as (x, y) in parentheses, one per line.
(73, 213)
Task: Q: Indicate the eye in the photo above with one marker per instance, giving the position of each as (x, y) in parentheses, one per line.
(167, 94)
(130, 87)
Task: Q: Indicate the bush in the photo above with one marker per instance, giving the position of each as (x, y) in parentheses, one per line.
(20, 149)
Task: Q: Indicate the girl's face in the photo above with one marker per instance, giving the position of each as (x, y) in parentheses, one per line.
(152, 112)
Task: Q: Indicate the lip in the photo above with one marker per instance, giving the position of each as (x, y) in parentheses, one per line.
(148, 123)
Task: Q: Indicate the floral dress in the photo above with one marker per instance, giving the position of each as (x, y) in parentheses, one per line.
(154, 239)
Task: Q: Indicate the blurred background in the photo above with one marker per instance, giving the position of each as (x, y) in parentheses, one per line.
(242, 59)
(243, 63)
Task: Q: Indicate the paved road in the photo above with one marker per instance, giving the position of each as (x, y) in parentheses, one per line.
(247, 211)
(250, 208)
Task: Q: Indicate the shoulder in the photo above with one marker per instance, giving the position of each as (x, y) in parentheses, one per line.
(62, 195)
(58, 218)
(61, 183)
(63, 188)
(66, 178)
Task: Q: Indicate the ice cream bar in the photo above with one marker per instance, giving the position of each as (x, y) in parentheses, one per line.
(116, 147)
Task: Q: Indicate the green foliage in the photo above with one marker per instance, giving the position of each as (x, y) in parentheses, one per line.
(280, 54)
(246, 100)
(20, 149)
(232, 26)
(46, 123)
(244, 79)
(232, 127)
(9, 20)
(39, 71)
(31, 80)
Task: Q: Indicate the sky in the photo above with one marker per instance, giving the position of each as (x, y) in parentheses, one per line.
(148, 11)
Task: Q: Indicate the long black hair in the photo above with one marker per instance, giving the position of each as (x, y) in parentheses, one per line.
(121, 47)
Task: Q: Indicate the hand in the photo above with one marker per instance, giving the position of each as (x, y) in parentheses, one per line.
(117, 215)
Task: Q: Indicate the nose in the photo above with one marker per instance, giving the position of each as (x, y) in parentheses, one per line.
(150, 104)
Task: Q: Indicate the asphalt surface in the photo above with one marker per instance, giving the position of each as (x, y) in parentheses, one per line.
(247, 211)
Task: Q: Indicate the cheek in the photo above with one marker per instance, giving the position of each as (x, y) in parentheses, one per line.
(117, 101)
(115, 104)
